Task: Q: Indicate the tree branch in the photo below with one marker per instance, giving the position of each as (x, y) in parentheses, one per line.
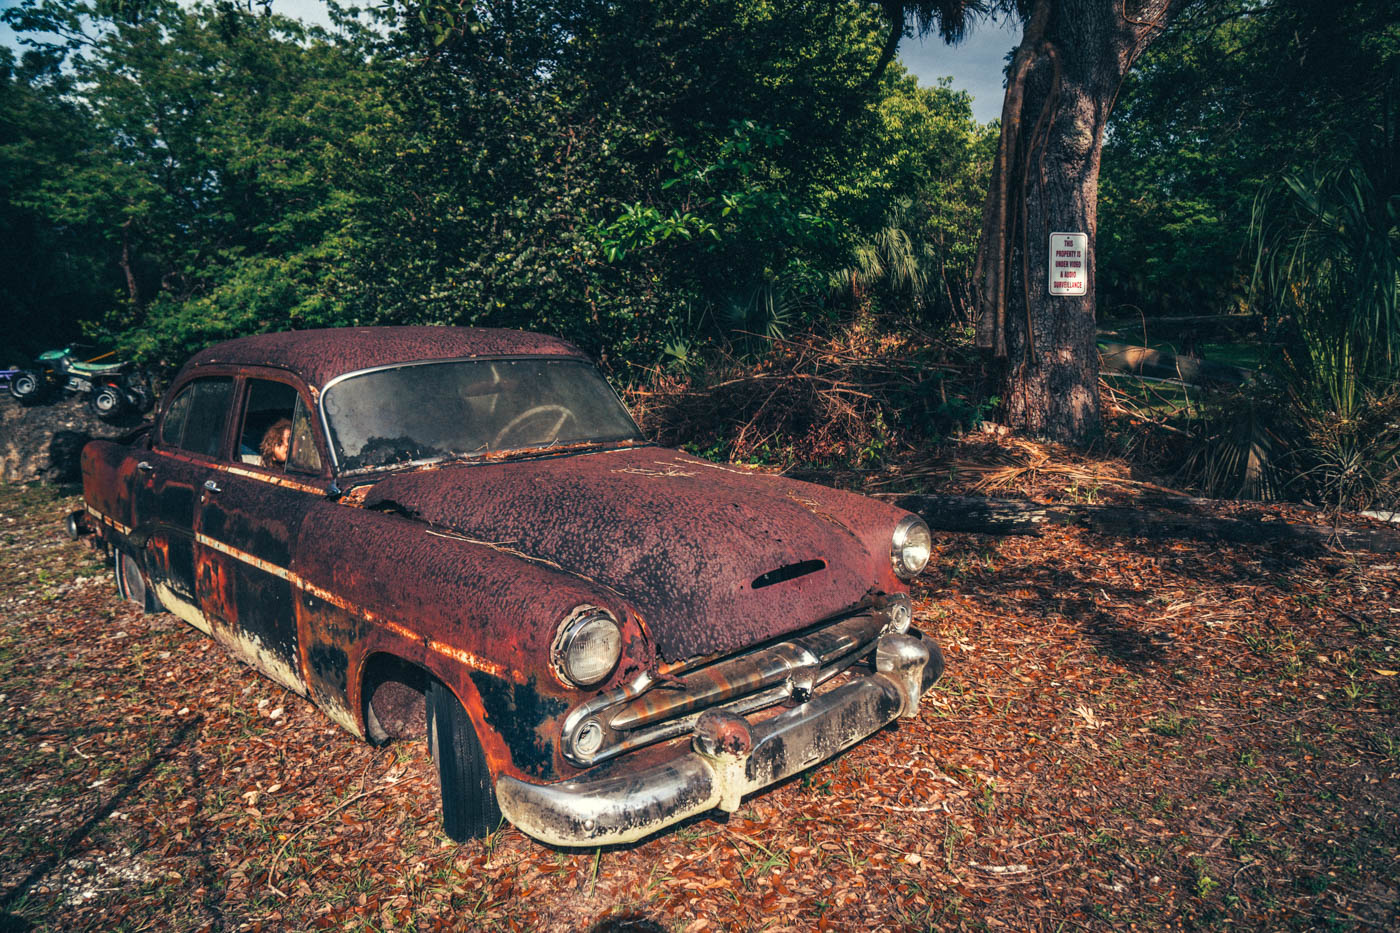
(894, 14)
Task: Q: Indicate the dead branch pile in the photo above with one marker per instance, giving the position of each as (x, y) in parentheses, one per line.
(845, 398)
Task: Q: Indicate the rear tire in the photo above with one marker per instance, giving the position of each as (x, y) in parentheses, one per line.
(131, 583)
(27, 386)
(107, 403)
(469, 808)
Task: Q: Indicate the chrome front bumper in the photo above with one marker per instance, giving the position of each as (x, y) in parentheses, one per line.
(728, 758)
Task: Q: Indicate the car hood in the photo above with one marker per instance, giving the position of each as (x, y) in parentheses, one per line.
(685, 542)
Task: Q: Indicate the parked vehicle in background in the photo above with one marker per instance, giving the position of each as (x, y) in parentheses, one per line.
(7, 375)
(461, 534)
(112, 389)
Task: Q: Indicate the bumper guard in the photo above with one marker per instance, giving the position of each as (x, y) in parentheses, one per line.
(728, 757)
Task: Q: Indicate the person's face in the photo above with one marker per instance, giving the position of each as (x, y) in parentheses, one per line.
(283, 446)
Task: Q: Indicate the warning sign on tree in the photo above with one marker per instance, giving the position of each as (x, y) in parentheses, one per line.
(1069, 264)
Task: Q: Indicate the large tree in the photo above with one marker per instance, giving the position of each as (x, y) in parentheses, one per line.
(1061, 86)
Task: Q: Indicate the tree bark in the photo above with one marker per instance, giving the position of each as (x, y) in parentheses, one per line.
(1064, 80)
(131, 289)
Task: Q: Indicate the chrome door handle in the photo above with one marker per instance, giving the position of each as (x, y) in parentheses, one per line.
(211, 486)
(145, 465)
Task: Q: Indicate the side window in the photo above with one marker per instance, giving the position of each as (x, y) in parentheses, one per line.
(195, 420)
(305, 458)
(264, 437)
(172, 429)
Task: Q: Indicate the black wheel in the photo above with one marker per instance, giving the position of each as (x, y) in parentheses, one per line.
(140, 398)
(27, 386)
(107, 402)
(131, 583)
(469, 808)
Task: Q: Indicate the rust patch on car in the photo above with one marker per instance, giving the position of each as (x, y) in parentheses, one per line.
(720, 733)
(318, 356)
(683, 552)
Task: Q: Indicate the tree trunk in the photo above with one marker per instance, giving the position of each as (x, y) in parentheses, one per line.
(1064, 80)
(132, 292)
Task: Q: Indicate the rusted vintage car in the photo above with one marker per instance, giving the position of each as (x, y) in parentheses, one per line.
(461, 532)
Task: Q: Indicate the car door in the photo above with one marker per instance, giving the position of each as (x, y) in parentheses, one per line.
(248, 521)
(166, 489)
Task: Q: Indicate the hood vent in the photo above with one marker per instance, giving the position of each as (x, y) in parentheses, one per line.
(790, 572)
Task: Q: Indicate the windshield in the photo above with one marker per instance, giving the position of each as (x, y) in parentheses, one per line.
(435, 411)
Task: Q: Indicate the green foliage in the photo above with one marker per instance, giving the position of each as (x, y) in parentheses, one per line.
(721, 200)
(934, 164)
(1329, 267)
(1253, 164)
(644, 179)
(1328, 264)
(1323, 423)
(56, 260)
(1235, 93)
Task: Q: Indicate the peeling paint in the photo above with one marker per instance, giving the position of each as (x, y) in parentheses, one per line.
(250, 649)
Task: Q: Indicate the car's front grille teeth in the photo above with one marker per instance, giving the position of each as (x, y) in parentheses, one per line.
(740, 684)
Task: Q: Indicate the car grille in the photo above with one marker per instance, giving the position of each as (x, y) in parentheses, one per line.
(621, 720)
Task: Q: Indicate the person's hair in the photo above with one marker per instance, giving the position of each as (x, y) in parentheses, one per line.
(272, 438)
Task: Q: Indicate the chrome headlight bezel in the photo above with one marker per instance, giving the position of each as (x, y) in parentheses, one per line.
(911, 537)
(578, 633)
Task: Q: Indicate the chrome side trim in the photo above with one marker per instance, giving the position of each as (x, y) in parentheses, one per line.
(107, 520)
(340, 602)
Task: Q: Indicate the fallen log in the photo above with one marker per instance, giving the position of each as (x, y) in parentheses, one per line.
(1144, 361)
(1173, 518)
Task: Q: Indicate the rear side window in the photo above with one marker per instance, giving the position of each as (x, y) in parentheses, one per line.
(305, 457)
(195, 420)
(173, 427)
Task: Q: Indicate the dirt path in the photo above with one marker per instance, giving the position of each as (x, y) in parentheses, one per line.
(1157, 735)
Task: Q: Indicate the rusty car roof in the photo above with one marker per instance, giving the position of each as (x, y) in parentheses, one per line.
(320, 355)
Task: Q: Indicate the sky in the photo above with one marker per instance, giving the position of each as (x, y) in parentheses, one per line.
(975, 65)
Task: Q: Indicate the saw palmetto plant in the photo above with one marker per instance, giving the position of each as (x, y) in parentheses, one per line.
(1328, 266)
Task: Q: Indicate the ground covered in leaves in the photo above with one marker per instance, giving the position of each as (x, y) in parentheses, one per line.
(1131, 733)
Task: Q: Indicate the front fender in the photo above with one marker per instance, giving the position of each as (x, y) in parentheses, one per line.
(476, 615)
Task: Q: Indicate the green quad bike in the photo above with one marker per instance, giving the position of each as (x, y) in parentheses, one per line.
(112, 389)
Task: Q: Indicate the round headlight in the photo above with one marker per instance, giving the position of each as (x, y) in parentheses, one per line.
(911, 547)
(586, 647)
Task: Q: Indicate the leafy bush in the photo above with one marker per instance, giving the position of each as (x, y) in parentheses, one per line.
(1329, 268)
(1325, 423)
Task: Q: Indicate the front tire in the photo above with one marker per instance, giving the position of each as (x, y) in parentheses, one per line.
(469, 808)
(131, 583)
(27, 386)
